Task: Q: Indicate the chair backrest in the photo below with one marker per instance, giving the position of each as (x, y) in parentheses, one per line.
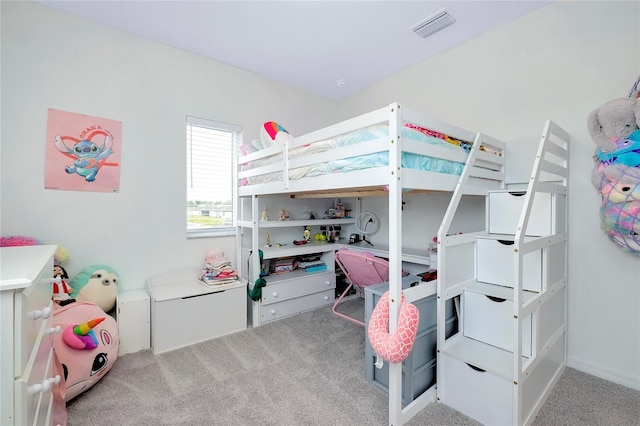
(362, 269)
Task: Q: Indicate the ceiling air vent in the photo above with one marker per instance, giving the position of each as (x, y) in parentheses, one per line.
(433, 24)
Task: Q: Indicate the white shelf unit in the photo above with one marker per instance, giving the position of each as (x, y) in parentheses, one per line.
(298, 291)
(511, 346)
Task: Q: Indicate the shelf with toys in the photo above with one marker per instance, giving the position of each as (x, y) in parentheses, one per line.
(283, 229)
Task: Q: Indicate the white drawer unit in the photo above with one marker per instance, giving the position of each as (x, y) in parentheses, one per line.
(490, 320)
(510, 350)
(296, 285)
(184, 311)
(495, 264)
(294, 292)
(477, 393)
(505, 208)
(296, 306)
(26, 342)
(489, 398)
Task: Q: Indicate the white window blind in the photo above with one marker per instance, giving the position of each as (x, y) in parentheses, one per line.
(210, 176)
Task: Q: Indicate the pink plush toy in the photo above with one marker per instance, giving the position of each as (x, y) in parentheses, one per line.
(394, 347)
(86, 348)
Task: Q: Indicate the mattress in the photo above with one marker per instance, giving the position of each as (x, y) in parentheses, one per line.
(367, 161)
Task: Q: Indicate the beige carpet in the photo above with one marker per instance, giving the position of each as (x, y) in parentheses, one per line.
(304, 370)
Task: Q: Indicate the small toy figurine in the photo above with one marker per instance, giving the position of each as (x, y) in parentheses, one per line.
(307, 234)
(265, 214)
(284, 214)
(267, 238)
(61, 289)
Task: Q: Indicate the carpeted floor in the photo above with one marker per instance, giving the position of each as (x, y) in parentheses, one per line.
(303, 370)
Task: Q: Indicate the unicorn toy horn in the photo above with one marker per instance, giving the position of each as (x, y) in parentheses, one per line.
(81, 336)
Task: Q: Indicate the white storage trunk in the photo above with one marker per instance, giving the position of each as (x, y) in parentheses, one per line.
(490, 320)
(505, 209)
(184, 311)
(495, 264)
(134, 315)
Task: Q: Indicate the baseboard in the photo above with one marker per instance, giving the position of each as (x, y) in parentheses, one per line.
(610, 374)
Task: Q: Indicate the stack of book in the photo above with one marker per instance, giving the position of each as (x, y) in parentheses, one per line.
(215, 281)
(311, 262)
(281, 265)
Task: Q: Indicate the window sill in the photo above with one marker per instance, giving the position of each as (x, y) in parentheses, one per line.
(208, 233)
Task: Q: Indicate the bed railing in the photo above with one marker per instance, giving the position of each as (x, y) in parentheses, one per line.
(280, 168)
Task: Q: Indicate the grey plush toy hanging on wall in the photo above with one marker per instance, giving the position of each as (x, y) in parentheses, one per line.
(614, 127)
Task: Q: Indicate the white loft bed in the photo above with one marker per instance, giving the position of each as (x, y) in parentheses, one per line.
(281, 165)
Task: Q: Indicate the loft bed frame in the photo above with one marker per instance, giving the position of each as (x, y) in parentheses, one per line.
(483, 171)
(364, 182)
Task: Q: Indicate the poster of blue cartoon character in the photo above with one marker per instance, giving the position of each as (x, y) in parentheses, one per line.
(82, 152)
(87, 156)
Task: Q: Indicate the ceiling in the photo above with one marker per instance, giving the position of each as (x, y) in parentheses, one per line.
(306, 44)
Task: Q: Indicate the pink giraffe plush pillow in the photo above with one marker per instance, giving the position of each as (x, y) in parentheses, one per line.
(394, 347)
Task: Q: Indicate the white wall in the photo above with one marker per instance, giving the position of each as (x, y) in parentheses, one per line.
(55, 60)
(559, 62)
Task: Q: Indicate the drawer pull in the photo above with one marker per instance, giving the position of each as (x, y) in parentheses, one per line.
(495, 299)
(275, 294)
(45, 386)
(53, 330)
(273, 312)
(506, 242)
(328, 283)
(326, 298)
(44, 313)
(476, 368)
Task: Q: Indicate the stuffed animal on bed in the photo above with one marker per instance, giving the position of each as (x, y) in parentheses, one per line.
(97, 284)
(614, 128)
(272, 133)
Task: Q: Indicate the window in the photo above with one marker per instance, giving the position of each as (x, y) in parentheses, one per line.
(210, 176)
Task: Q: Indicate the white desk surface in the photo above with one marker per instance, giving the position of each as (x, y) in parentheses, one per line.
(419, 256)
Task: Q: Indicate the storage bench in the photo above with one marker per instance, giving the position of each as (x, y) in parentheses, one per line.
(184, 311)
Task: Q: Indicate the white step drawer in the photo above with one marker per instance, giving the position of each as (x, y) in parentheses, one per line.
(490, 320)
(478, 394)
(505, 209)
(495, 264)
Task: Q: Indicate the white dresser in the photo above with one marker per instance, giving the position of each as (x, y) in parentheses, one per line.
(26, 335)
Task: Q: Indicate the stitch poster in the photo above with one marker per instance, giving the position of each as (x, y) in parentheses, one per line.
(82, 152)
